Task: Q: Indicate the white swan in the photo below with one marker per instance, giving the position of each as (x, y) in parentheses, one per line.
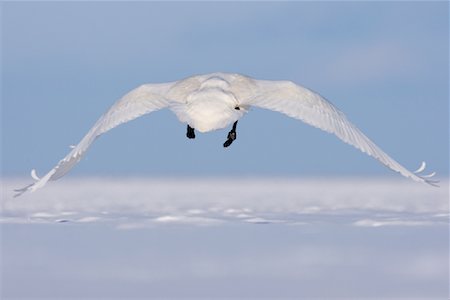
(214, 101)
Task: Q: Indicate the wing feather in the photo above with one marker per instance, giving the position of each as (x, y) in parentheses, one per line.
(142, 100)
(303, 104)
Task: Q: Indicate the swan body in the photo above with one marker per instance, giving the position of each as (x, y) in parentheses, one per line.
(215, 101)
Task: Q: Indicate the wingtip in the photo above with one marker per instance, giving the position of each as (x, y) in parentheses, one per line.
(429, 175)
(433, 183)
(19, 192)
(34, 175)
(421, 168)
(29, 187)
(426, 178)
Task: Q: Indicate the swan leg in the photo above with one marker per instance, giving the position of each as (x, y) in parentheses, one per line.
(231, 136)
(190, 132)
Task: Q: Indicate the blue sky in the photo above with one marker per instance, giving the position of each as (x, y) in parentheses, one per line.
(64, 64)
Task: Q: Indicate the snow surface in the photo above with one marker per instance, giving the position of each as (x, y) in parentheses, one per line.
(239, 238)
(140, 202)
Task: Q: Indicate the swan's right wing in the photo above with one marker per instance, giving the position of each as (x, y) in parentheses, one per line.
(303, 104)
(142, 100)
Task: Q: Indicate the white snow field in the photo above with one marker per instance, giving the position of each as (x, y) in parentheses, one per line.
(225, 238)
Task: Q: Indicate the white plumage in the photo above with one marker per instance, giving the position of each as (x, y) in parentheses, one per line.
(214, 101)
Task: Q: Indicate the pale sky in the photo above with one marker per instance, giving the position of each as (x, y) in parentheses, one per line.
(384, 64)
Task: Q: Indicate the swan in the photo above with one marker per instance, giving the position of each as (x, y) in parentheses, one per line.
(214, 101)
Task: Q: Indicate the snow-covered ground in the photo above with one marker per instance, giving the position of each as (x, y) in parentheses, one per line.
(222, 238)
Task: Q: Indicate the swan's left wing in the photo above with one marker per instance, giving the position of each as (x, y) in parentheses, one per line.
(142, 100)
(303, 104)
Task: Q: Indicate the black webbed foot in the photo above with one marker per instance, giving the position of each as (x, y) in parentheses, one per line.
(190, 132)
(231, 136)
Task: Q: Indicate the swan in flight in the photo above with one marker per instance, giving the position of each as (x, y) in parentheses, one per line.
(215, 101)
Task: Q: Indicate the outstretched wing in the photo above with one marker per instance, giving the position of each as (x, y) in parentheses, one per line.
(303, 104)
(142, 100)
